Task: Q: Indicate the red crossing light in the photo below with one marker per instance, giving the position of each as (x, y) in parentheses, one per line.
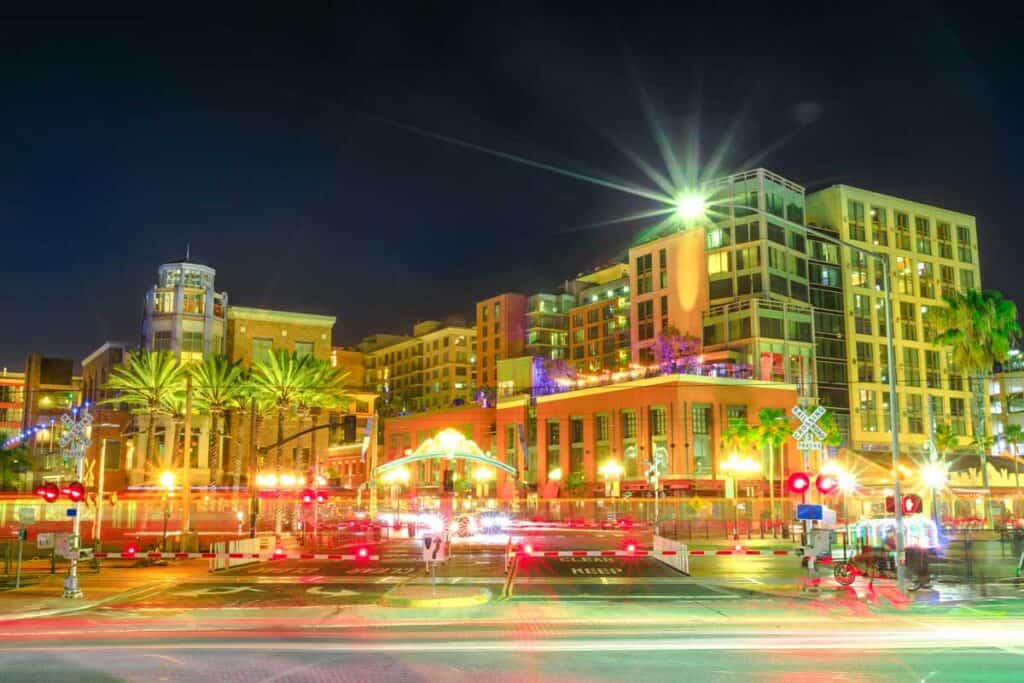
(48, 492)
(131, 550)
(911, 504)
(826, 483)
(307, 496)
(75, 491)
(362, 553)
(321, 497)
(798, 482)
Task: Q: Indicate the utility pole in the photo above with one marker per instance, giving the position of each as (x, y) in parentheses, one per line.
(73, 442)
(253, 498)
(186, 490)
(97, 525)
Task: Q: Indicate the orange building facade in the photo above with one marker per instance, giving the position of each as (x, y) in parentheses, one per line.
(500, 333)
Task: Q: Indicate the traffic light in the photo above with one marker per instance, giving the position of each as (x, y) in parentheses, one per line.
(911, 504)
(798, 482)
(348, 428)
(307, 496)
(826, 483)
(48, 492)
(321, 497)
(75, 492)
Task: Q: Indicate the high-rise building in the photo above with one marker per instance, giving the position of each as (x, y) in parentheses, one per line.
(434, 368)
(12, 402)
(737, 279)
(599, 322)
(500, 333)
(932, 252)
(547, 324)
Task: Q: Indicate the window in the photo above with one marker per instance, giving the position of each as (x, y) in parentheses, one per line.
(701, 419)
(957, 415)
(776, 233)
(827, 276)
(883, 363)
(736, 415)
(645, 319)
(575, 444)
(191, 346)
(797, 242)
(303, 349)
(966, 279)
(933, 376)
(908, 320)
(855, 216)
(628, 424)
(747, 258)
(629, 454)
(162, 340)
(111, 454)
(944, 234)
(915, 415)
(862, 313)
(664, 312)
(261, 349)
(926, 279)
(963, 243)
(643, 274)
(911, 367)
(924, 236)
(778, 284)
(868, 410)
(858, 269)
(865, 363)
(879, 227)
(719, 262)
(720, 289)
(776, 259)
(716, 237)
(748, 233)
(904, 276)
(947, 280)
(902, 231)
(771, 327)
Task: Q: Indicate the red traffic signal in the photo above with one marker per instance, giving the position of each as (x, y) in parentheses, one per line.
(75, 492)
(798, 482)
(911, 504)
(307, 496)
(321, 497)
(48, 492)
(131, 550)
(826, 483)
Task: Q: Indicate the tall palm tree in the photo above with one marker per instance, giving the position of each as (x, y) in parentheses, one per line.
(327, 390)
(978, 328)
(148, 383)
(217, 387)
(282, 381)
(772, 429)
(739, 435)
(1014, 435)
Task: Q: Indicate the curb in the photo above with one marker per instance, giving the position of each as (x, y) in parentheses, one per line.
(480, 597)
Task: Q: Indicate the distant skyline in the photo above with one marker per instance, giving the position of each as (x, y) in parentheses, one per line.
(285, 150)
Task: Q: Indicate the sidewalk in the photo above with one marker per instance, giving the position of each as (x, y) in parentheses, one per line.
(43, 597)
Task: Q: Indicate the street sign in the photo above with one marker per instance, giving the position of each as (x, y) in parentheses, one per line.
(44, 541)
(72, 512)
(435, 549)
(809, 434)
(64, 545)
(809, 512)
(27, 515)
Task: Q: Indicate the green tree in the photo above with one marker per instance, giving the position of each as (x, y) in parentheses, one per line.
(326, 390)
(739, 435)
(945, 439)
(281, 382)
(218, 386)
(148, 384)
(833, 435)
(771, 431)
(13, 461)
(1014, 435)
(979, 328)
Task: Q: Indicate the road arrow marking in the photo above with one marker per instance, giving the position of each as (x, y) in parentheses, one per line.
(342, 593)
(218, 590)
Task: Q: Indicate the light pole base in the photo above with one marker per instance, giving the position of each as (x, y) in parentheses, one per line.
(71, 589)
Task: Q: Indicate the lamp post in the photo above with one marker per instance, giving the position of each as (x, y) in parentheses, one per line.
(847, 485)
(935, 475)
(167, 482)
(483, 475)
(611, 471)
(733, 466)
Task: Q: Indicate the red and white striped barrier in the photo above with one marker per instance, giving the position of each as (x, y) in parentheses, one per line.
(651, 553)
(358, 555)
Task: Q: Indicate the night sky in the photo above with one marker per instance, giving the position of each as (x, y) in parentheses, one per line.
(282, 147)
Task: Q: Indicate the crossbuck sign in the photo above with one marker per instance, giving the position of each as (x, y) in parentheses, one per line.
(809, 434)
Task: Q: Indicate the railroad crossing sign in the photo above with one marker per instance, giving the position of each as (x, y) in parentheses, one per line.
(809, 434)
(75, 437)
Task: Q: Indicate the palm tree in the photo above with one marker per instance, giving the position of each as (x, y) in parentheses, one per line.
(1014, 435)
(772, 430)
(739, 435)
(148, 383)
(979, 328)
(326, 391)
(217, 386)
(945, 439)
(282, 381)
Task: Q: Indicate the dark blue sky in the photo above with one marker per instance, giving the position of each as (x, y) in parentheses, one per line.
(268, 142)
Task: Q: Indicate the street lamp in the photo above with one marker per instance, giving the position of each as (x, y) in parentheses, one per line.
(611, 471)
(935, 475)
(690, 206)
(733, 466)
(396, 478)
(847, 482)
(483, 475)
(167, 482)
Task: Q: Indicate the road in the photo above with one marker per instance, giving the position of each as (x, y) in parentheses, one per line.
(566, 618)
